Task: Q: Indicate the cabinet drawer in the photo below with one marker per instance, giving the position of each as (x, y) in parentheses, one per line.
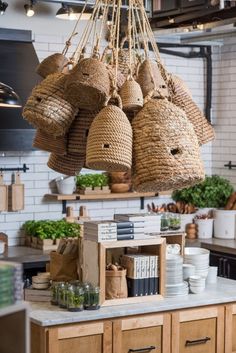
(198, 330)
(93, 343)
(146, 334)
(230, 328)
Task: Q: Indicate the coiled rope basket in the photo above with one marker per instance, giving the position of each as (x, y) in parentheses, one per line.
(166, 153)
(109, 144)
(49, 143)
(67, 165)
(55, 63)
(131, 95)
(47, 108)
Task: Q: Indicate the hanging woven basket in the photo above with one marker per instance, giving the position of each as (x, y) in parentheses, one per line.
(53, 64)
(166, 153)
(47, 108)
(88, 84)
(131, 95)
(109, 144)
(120, 80)
(49, 143)
(68, 165)
(203, 129)
(150, 79)
(124, 62)
(78, 133)
(179, 82)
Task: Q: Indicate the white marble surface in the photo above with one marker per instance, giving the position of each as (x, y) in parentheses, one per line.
(224, 291)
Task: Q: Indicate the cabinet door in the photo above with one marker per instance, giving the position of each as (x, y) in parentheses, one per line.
(230, 328)
(145, 334)
(84, 338)
(198, 330)
(190, 3)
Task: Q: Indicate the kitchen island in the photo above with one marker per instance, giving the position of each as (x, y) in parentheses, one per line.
(181, 324)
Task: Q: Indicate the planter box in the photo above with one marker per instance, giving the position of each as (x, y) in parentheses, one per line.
(28, 240)
(46, 244)
(96, 190)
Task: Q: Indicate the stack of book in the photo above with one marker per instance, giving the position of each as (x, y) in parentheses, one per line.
(100, 231)
(142, 224)
(142, 274)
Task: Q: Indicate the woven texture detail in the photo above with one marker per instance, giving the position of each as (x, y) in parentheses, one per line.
(68, 165)
(178, 82)
(131, 95)
(55, 63)
(78, 133)
(49, 143)
(166, 153)
(150, 79)
(47, 109)
(109, 144)
(124, 61)
(180, 97)
(88, 84)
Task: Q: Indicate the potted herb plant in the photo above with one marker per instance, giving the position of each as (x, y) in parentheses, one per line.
(92, 183)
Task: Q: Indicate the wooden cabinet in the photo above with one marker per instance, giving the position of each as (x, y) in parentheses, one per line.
(230, 328)
(198, 330)
(80, 338)
(143, 334)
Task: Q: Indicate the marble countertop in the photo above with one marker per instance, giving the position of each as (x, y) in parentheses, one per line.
(223, 245)
(224, 291)
(24, 254)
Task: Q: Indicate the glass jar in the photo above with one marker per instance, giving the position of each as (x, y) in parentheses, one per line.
(54, 292)
(165, 222)
(92, 297)
(62, 295)
(75, 298)
(175, 221)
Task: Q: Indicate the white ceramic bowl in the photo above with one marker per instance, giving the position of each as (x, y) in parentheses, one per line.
(65, 185)
(194, 251)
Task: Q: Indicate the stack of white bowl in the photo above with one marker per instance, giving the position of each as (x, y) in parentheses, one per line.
(188, 270)
(175, 286)
(199, 258)
(197, 284)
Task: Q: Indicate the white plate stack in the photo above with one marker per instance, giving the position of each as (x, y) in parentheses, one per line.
(197, 284)
(198, 257)
(174, 276)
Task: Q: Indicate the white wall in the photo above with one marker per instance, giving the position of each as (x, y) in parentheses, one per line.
(50, 35)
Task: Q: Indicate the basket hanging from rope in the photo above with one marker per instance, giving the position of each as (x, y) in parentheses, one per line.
(88, 84)
(131, 95)
(124, 62)
(53, 64)
(47, 108)
(203, 129)
(109, 144)
(49, 143)
(150, 79)
(179, 82)
(166, 153)
(68, 165)
(78, 133)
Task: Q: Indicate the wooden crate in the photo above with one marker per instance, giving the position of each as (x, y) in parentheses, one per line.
(95, 260)
(175, 238)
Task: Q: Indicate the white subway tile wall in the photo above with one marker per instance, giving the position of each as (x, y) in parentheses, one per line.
(37, 179)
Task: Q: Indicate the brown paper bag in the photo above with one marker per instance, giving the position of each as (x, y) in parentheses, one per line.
(116, 284)
(63, 267)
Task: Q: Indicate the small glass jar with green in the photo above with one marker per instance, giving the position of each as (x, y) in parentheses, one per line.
(165, 222)
(55, 292)
(175, 221)
(62, 295)
(92, 297)
(75, 298)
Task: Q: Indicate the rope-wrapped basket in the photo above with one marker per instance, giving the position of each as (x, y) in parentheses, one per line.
(150, 79)
(47, 108)
(68, 165)
(166, 154)
(55, 63)
(181, 98)
(49, 143)
(109, 144)
(88, 84)
(131, 95)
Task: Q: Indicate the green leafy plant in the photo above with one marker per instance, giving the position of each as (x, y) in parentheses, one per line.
(47, 229)
(92, 180)
(214, 192)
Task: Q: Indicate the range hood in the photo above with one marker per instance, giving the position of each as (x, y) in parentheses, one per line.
(18, 61)
(183, 13)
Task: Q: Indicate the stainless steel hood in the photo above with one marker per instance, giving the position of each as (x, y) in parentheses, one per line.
(18, 61)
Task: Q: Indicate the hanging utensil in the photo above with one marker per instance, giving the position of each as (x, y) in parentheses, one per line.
(18, 194)
(3, 195)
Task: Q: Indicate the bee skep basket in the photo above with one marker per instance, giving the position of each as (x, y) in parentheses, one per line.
(67, 165)
(52, 64)
(109, 143)
(49, 143)
(166, 153)
(47, 108)
(88, 84)
(131, 95)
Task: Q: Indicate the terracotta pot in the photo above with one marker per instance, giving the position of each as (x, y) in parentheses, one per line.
(118, 188)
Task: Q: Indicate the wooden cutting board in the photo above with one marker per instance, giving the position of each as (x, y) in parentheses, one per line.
(18, 194)
(3, 195)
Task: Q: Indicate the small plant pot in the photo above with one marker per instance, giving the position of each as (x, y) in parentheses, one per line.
(205, 228)
(34, 240)
(97, 188)
(45, 242)
(28, 240)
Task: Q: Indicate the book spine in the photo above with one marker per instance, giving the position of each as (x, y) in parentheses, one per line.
(125, 236)
(125, 231)
(121, 225)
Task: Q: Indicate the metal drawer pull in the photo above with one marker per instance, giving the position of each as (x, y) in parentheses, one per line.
(200, 341)
(141, 350)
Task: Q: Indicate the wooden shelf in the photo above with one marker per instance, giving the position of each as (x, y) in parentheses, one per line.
(110, 196)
